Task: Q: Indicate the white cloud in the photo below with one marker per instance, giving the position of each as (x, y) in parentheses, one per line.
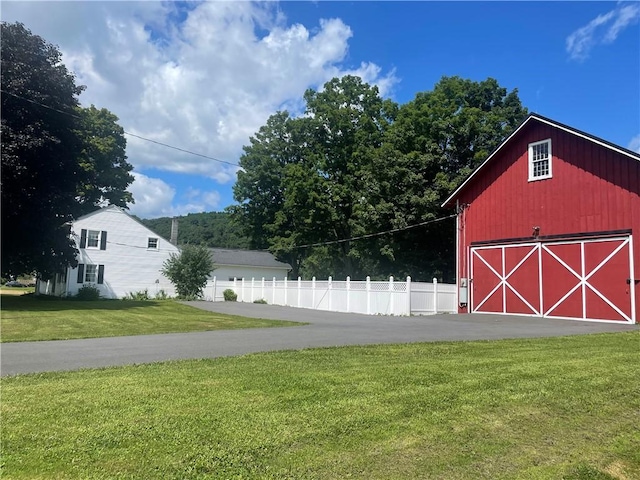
(634, 144)
(604, 29)
(200, 76)
(155, 198)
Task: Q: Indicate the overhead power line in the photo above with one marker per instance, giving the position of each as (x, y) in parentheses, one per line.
(125, 132)
(377, 234)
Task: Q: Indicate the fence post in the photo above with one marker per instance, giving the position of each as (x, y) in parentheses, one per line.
(409, 295)
(313, 292)
(299, 289)
(348, 294)
(213, 296)
(242, 285)
(330, 287)
(253, 284)
(391, 311)
(286, 288)
(273, 291)
(368, 295)
(435, 295)
(262, 291)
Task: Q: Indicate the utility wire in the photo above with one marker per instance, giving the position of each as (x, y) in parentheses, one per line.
(319, 244)
(39, 104)
(125, 132)
(370, 235)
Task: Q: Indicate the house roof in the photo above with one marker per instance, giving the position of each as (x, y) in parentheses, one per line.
(250, 258)
(534, 117)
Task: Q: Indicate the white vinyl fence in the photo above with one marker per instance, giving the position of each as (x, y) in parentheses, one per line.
(372, 298)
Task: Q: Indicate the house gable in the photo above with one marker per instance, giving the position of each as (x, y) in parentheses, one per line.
(124, 256)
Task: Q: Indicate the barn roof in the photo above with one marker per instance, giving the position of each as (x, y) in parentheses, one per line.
(534, 117)
(251, 258)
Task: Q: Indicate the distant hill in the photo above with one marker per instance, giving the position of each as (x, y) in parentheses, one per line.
(212, 229)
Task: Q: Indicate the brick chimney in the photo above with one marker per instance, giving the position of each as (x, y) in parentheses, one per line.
(174, 231)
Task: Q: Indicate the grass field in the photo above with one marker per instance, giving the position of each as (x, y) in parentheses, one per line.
(560, 408)
(28, 317)
(16, 290)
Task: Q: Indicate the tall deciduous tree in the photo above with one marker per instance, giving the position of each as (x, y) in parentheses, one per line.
(357, 164)
(105, 170)
(436, 141)
(300, 181)
(58, 160)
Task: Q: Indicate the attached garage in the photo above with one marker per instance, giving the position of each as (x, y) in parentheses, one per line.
(558, 244)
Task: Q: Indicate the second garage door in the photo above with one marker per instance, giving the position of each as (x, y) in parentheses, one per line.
(586, 279)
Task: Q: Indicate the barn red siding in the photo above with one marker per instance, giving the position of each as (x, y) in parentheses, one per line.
(593, 189)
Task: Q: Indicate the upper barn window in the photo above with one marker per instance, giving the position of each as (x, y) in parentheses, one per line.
(540, 160)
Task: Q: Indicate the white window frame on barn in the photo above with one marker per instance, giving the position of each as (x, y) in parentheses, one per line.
(152, 243)
(539, 163)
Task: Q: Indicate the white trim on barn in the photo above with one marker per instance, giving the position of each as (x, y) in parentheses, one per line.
(551, 258)
(551, 123)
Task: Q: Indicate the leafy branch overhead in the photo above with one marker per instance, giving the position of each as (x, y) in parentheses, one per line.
(59, 160)
(356, 164)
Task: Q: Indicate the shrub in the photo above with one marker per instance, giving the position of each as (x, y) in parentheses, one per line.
(162, 295)
(189, 270)
(141, 295)
(230, 295)
(88, 292)
(261, 301)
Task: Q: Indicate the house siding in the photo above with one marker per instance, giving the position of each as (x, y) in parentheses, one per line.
(129, 266)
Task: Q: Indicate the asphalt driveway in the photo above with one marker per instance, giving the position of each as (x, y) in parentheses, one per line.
(325, 329)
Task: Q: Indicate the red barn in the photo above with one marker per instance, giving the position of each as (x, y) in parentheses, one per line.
(546, 227)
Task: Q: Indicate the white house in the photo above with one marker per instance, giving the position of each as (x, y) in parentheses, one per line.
(247, 264)
(118, 255)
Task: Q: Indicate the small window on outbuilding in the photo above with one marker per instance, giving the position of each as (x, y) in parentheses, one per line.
(540, 160)
(152, 243)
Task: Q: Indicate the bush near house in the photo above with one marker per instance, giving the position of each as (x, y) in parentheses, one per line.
(88, 293)
(189, 271)
(229, 295)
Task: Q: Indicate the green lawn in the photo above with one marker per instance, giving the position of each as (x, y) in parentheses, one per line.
(560, 408)
(28, 317)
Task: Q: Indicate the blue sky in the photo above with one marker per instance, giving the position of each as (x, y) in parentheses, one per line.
(204, 76)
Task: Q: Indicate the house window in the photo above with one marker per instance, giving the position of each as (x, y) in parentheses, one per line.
(152, 243)
(93, 239)
(90, 273)
(540, 160)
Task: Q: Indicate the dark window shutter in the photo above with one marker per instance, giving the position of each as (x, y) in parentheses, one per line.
(83, 238)
(100, 274)
(81, 273)
(103, 241)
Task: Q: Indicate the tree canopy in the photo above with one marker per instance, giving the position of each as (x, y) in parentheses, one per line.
(356, 164)
(59, 160)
